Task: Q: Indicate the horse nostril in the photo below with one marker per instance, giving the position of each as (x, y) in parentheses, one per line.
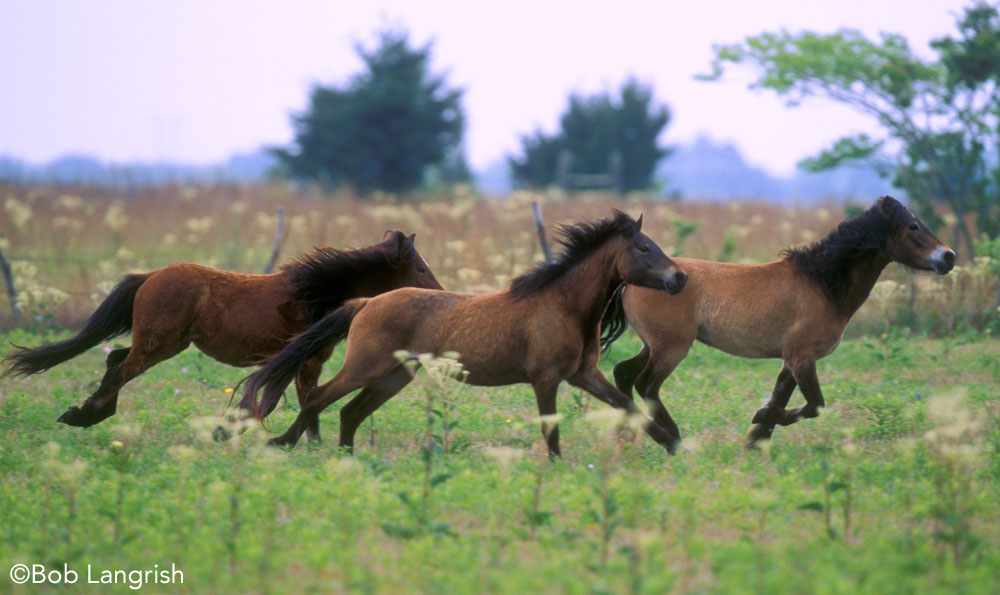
(949, 257)
(680, 278)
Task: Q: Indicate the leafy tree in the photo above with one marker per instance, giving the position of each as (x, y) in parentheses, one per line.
(593, 130)
(941, 118)
(384, 129)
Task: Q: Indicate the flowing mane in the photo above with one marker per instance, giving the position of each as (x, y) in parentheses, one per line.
(828, 262)
(579, 241)
(323, 278)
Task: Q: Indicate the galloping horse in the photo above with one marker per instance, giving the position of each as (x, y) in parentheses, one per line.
(543, 329)
(795, 308)
(235, 318)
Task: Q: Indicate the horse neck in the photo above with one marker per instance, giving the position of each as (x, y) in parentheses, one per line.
(864, 274)
(586, 288)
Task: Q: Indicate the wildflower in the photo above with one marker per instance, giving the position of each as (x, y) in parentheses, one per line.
(115, 218)
(20, 213)
(228, 390)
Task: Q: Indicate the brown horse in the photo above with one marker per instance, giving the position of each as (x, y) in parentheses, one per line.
(235, 318)
(543, 329)
(795, 308)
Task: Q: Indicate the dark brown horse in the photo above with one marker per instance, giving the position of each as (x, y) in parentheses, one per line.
(795, 308)
(235, 318)
(543, 329)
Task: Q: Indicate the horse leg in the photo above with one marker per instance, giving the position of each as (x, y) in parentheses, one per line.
(123, 364)
(804, 372)
(652, 378)
(766, 418)
(356, 373)
(368, 401)
(306, 380)
(591, 380)
(628, 370)
(104, 402)
(546, 390)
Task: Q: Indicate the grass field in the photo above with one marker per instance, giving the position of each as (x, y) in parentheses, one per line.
(892, 490)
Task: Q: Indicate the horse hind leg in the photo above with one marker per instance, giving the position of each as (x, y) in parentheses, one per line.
(369, 400)
(306, 380)
(123, 364)
(358, 371)
(104, 402)
(628, 370)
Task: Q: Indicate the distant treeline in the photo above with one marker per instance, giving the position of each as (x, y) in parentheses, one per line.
(703, 170)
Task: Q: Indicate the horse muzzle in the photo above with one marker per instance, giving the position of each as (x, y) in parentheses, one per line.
(674, 281)
(943, 260)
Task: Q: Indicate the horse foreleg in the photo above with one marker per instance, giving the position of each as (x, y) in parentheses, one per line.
(545, 394)
(592, 381)
(628, 370)
(767, 417)
(306, 380)
(104, 402)
(369, 400)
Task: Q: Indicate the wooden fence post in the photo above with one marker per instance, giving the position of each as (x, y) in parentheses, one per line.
(277, 241)
(8, 278)
(540, 227)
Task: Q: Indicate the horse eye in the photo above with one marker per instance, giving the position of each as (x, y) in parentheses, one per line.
(643, 248)
(421, 270)
(914, 227)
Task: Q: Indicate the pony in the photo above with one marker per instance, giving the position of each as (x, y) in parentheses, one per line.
(542, 329)
(237, 319)
(795, 308)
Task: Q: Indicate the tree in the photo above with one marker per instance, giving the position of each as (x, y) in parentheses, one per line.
(594, 132)
(941, 118)
(384, 129)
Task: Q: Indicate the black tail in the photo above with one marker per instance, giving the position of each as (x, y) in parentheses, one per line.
(112, 318)
(278, 373)
(614, 323)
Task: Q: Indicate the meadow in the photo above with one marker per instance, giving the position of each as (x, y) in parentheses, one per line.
(891, 490)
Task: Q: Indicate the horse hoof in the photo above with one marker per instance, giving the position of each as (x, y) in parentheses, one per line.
(279, 442)
(758, 433)
(677, 448)
(221, 434)
(72, 417)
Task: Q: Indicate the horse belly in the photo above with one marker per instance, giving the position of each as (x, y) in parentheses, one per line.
(741, 342)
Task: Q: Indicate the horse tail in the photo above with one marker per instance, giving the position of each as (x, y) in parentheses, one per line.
(614, 323)
(112, 318)
(278, 373)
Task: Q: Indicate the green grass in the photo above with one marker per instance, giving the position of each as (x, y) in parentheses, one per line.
(916, 478)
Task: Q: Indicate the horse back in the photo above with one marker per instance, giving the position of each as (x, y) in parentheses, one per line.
(748, 310)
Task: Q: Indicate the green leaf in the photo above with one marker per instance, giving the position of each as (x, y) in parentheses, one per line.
(814, 505)
(439, 479)
(399, 531)
(837, 485)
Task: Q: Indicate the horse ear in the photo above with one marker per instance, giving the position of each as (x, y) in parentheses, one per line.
(411, 237)
(638, 223)
(888, 204)
(388, 232)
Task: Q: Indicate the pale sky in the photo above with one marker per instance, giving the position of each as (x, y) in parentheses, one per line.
(197, 80)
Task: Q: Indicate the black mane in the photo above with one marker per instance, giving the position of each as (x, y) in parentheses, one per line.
(323, 278)
(828, 262)
(578, 240)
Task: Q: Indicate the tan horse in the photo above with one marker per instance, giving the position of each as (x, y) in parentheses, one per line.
(543, 329)
(234, 318)
(795, 309)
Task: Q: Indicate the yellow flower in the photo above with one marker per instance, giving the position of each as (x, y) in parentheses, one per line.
(228, 390)
(508, 420)
(884, 336)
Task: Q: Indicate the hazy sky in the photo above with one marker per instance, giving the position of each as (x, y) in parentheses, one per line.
(197, 80)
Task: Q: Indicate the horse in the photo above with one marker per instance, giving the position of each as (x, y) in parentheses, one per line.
(795, 308)
(237, 319)
(542, 329)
